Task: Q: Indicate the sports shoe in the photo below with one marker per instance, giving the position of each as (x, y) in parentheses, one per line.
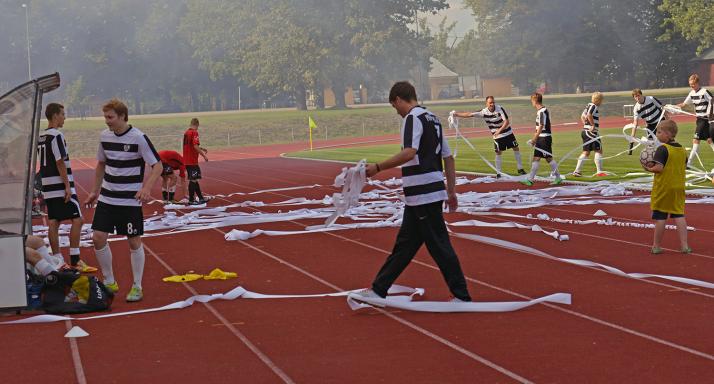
(656, 250)
(114, 287)
(135, 294)
(687, 250)
(601, 174)
(366, 293)
(577, 174)
(84, 268)
(521, 172)
(498, 175)
(557, 181)
(527, 182)
(457, 300)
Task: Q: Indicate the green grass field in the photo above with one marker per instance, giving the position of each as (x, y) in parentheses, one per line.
(468, 160)
(240, 128)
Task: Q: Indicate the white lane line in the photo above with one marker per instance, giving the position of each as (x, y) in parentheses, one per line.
(411, 325)
(262, 356)
(571, 312)
(76, 358)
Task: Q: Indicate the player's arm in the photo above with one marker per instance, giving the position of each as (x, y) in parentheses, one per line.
(201, 151)
(98, 178)
(505, 124)
(400, 158)
(467, 114)
(62, 169)
(659, 160)
(151, 157)
(687, 100)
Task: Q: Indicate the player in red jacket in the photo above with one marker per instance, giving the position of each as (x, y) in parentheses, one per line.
(171, 161)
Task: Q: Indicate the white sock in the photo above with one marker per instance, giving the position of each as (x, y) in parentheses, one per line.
(534, 170)
(598, 162)
(581, 160)
(554, 168)
(44, 252)
(517, 155)
(692, 153)
(44, 267)
(137, 265)
(711, 145)
(499, 163)
(104, 257)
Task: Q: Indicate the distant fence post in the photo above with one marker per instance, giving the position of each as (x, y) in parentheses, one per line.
(229, 138)
(260, 139)
(363, 129)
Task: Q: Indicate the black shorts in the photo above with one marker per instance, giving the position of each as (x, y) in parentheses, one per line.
(702, 132)
(544, 143)
(58, 210)
(166, 170)
(592, 146)
(122, 220)
(194, 172)
(506, 142)
(659, 215)
(652, 130)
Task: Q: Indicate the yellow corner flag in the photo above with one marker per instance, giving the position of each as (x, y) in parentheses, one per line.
(311, 124)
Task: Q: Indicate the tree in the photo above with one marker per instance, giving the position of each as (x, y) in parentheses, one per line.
(693, 19)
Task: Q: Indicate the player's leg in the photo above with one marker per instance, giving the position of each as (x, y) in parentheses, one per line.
(405, 247)
(681, 224)
(519, 160)
(498, 160)
(579, 166)
(53, 236)
(74, 235)
(134, 219)
(171, 186)
(103, 224)
(598, 161)
(660, 219)
(435, 235)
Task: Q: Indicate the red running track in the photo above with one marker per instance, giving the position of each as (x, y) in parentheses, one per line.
(618, 329)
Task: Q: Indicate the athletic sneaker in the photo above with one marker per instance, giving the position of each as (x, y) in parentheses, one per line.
(366, 293)
(114, 287)
(656, 250)
(557, 181)
(498, 175)
(687, 250)
(457, 300)
(84, 268)
(577, 174)
(527, 182)
(521, 172)
(135, 294)
(600, 174)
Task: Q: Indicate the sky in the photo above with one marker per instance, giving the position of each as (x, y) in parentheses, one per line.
(455, 13)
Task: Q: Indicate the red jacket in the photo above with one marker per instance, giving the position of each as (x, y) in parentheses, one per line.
(173, 160)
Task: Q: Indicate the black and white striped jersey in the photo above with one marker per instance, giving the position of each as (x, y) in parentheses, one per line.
(543, 119)
(423, 176)
(651, 110)
(51, 148)
(494, 120)
(591, 109)
(124, 156)
(702, 102)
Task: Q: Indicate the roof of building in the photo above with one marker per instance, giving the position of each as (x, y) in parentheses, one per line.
(706, 55)
(439, 70)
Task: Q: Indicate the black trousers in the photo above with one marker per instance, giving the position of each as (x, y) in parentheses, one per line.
(423, 224)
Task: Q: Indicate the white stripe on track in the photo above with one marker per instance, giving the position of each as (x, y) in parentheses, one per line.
(76, 358)
(262, 356)
(571, 312)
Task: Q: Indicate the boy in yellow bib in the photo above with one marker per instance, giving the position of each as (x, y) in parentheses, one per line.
(667, 199)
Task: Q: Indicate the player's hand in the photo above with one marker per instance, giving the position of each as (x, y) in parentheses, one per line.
(530, 142)
(144, 195)
(91, 199)
(67, 194)
(371, 170)
(452, 202)
(204, 157)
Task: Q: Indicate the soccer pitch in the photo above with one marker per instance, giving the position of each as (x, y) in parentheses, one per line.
(468, 160)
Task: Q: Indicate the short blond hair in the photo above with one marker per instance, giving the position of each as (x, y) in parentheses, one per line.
(597, 97)
(537, 97)
(668, 126)
(194, 122)
(694, 77)
(636, 92)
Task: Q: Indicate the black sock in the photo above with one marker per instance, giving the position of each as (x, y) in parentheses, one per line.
(198, 192)
(171, 195)
(191, 190)
(73, 260)
(165, 195)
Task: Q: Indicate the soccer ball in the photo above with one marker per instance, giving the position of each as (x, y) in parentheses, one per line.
(647, 155)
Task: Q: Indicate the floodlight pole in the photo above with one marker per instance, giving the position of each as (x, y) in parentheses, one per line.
(27, 34)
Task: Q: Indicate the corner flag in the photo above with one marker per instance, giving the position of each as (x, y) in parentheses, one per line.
(311, 124)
